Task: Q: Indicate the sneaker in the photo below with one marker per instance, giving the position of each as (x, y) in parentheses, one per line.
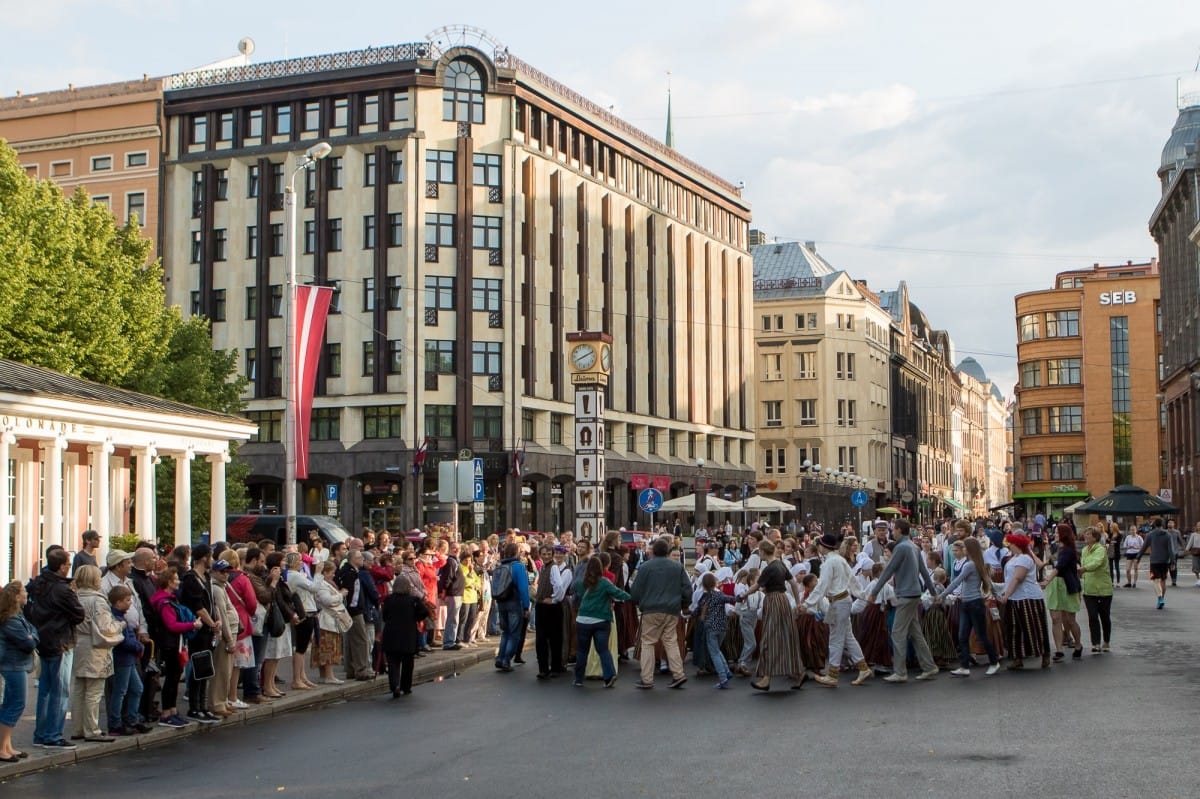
(141, 728)
(610, 682)
(200, 717)
(961, 673)
(61, 743)
(723, 684)
(452, 648)
(1161, 603)
(678, 682)
(896, 678)
(332, 681)
(992, 669)
(928, 675)
(238, 704)
(214, 717)
(1106, 648)
(645, 686)
(577, 684)
(174, 722)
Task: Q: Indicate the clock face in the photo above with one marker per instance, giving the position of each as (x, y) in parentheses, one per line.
(583, 357)
(606, 357)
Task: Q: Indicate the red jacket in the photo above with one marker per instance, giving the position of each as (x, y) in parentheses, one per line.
(383, 576)
(429, 577)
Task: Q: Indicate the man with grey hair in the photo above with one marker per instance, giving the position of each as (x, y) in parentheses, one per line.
(661, 590)
(909, 575)
(358, 649)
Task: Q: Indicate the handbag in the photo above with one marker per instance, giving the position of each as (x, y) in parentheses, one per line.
(342, 620)
(258, 620)
(203, 667)
(275, 625)
(153, 669)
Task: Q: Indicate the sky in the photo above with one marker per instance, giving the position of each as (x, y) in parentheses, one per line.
(971, 151)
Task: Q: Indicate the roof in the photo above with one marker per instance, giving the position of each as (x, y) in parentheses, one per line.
(972, 367)
(790, 269)
(20, 378)
(1185, 132)
(39, 100)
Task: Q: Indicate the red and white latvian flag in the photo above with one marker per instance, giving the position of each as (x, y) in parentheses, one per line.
(518, 459)
(419, 456)
(312, 308)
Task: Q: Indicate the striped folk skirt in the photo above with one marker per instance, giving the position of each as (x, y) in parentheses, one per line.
(873, 636)
(814, 642)
(1025, 632)
(941, 640)
(779, 643)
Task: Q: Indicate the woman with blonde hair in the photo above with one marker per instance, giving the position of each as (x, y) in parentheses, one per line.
(296, 577)
(18, 640)
(95, 638)
(779, 648)
(329, 599)
(1097, 589)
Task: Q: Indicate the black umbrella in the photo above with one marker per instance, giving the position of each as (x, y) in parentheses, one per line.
(1127, 500)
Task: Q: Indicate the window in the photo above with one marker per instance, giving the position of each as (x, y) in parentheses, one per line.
(382, 421)
(556, 427)
(1060, 324)
(276, 300)
(486, 232)
(399, 106)
(333, 360)
(312, 116)
(222, 190)
(846, 412)
(370, 109)
(197, 246)
(439, 166)
(439, 357)
(252, 181)
(1062, 372)
(652, 441)
(335, 300)
(773, 366)
(310, 188)
(283, 120)
(276, 187)
(1031, 422)
(197, 193)
(806, 366)
(527, 425)
(225, 126)
(60, 169)
(439, 421)
(195, 303)
(335, 172)
(1030, 325)
(812, 455)
(773, 413)
(368, 293)
(254, 123)
(768, 461)
(806, 411)
(439, 293)
(812, 321)
(462, 93)
(1066, 467)
(199, 129)
(133, 160)
(218, 314)
(486, 357)
(439, 230)
(335, 235)
(486, 294)
(395, 292)
(252, 369)
(485, 170)
(220, 243)
(370, 169)
(845, 321)
(1033, 467)
(395, 361)
(102, 199)
(276, 239)
(325, 424)
(775, 461)
(1031, 374)
(395, 230)
(848, 460)
(369, 232)
(487, 421)
(251, 302)
(276, 375)
(368, 358)
(102, 163)
(341, 111)
(135, 206)
(766, 322)
(310, 236)
(1066, 418)
(845, 366)
(395, 166)
(270, 426)
(1118, 332)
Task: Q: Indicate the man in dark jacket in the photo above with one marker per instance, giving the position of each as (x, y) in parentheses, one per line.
(356, 580)
(54, 610)
(195, 593)
(661, 590)
(451, 584)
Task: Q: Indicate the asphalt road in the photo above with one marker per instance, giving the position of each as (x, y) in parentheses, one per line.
(1117, 725)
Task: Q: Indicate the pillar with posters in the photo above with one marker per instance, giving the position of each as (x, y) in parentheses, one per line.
(590, 357)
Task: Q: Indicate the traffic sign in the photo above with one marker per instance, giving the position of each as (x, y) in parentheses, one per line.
(650, 500)
(479, 468)
(906, 496)
(479, 489)
(477, 507)
(858, 498)
(331, 492)
(479, 518)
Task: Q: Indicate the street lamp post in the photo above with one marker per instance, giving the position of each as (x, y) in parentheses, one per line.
(701, 504)
(289, 391)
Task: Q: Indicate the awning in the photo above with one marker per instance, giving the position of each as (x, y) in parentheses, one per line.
(1051, 495)
(954, 503)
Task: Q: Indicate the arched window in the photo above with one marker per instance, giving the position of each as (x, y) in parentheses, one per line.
(462, 95)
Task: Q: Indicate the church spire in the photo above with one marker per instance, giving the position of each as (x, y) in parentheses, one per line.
(670, 138)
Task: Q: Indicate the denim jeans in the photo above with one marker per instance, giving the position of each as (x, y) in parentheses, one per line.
(450, 631)
(13, 704)
(585, 636)
(972, 615)
(126, 692)
(713, 639)
(53, 696)
(512, 620)
(493, 618)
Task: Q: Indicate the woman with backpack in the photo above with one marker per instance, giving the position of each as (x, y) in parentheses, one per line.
(176, 622)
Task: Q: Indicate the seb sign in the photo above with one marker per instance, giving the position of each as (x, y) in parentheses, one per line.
(1118, 298)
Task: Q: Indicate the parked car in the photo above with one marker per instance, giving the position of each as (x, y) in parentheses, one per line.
(253, 527)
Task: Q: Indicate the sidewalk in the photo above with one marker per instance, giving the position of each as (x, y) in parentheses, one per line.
(439, 663)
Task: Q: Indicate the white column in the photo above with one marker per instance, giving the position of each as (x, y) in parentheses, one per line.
(183, 497)
(7, 439)
(144, 502)
(217, 504)
(27, 556)
(101, 493)
(52, 490)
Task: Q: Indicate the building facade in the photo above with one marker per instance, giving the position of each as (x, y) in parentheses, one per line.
(1087, 416)
(984, 463)
(106, 139)
(1175, 225)
(821, 344)
(472, 212)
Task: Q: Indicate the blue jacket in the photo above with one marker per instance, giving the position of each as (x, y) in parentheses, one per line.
(129, 651)
(18, 639)
(520, 579)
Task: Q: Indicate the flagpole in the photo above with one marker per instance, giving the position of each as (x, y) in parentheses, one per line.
(289, 390)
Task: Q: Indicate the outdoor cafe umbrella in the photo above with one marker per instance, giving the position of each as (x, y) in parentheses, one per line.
(889, 511)
(1127, 500)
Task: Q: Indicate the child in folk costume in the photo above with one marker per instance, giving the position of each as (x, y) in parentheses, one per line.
(873, 626)
(748, 607)
(814, 634)
(937, 627)
(712, 621)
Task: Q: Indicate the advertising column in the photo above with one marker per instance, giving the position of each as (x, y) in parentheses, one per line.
(590, 360)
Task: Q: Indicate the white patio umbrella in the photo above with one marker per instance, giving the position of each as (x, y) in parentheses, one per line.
(761, 503)
(688, 503)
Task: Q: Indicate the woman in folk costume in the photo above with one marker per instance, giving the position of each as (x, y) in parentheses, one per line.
(873, 635)
(625, 627)
(595, 669)
(936, 626)
(1025, 629)
(779, 645)
(812, 630)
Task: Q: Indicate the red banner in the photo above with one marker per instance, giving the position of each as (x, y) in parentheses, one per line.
(662, 483)
(639, 481)
(310, 312)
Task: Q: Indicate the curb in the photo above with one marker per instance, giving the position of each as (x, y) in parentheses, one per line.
(437, 664)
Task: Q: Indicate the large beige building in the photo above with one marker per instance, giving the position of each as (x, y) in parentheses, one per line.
(821, 345)
(104, 138)
(984, 462)
(473, 211)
